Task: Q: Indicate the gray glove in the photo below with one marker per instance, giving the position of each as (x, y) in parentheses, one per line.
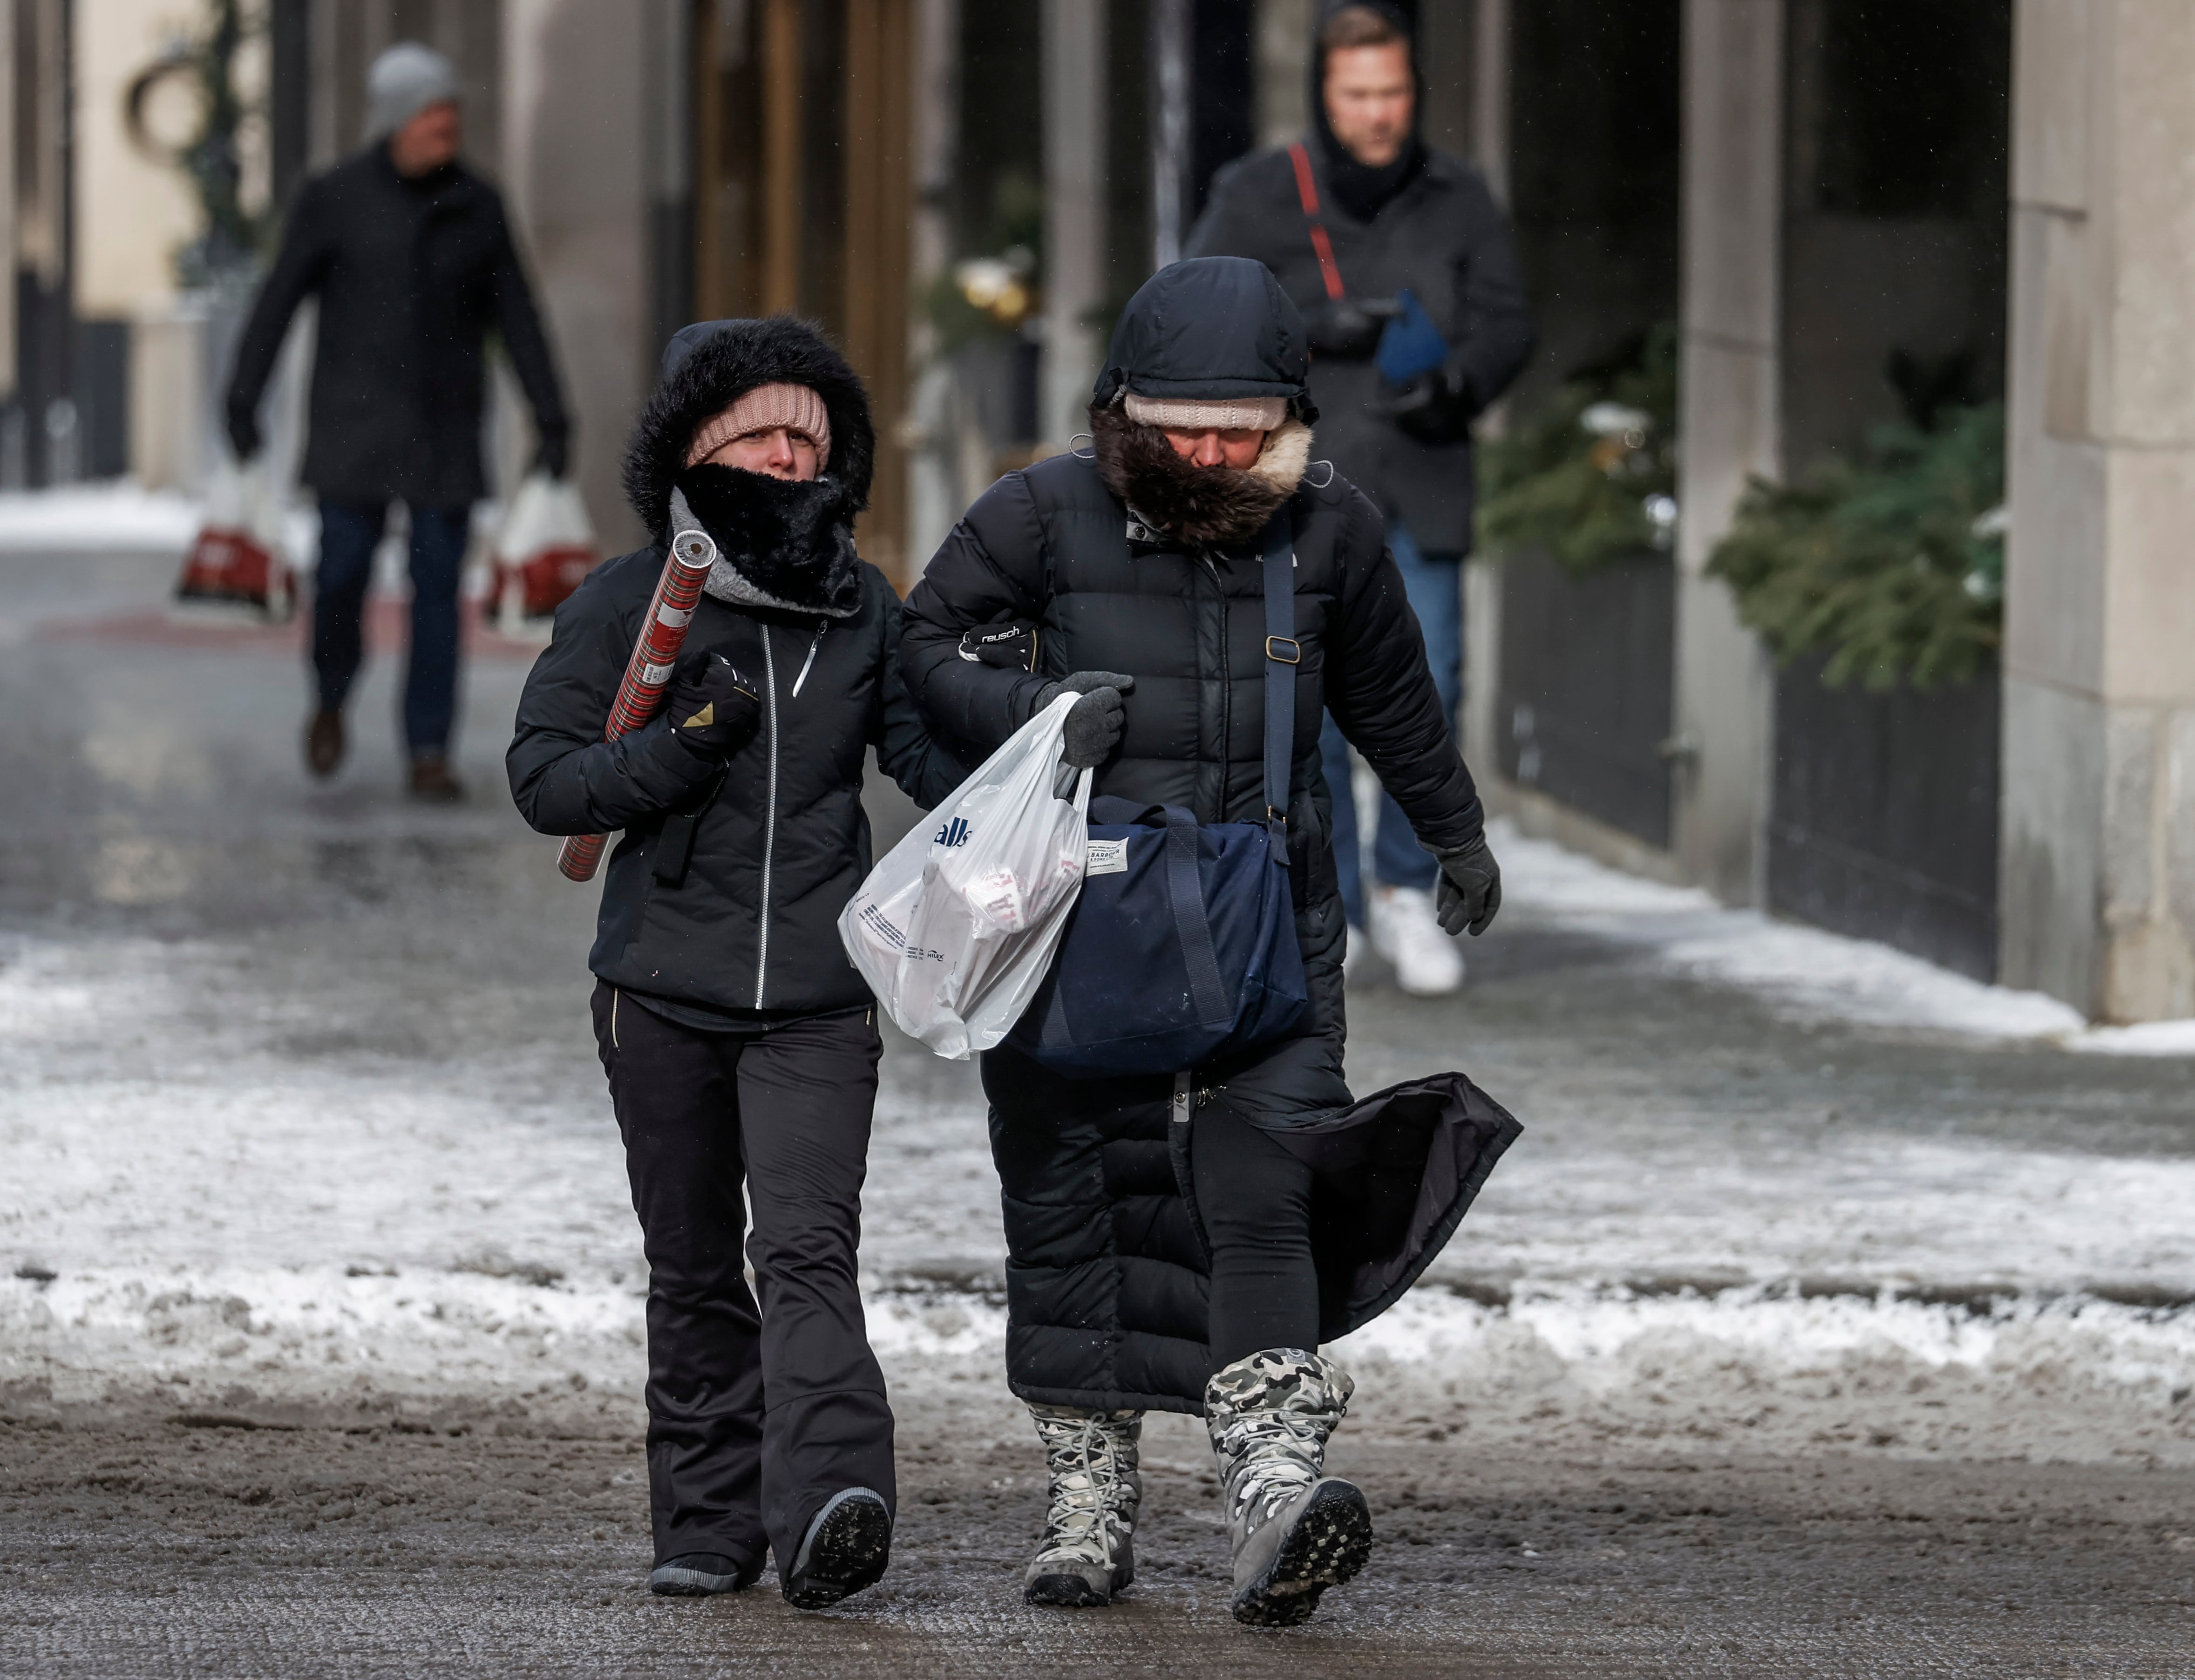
(1470, 889)
(1095, 723)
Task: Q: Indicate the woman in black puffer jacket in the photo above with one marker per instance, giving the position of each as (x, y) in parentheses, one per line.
(1187, 1243)
(739, 1042)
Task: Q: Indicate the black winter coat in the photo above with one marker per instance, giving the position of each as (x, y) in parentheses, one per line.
(1050, 544)
(1442, 236)
(782, 847)
(411, 276)
(1106, 1278)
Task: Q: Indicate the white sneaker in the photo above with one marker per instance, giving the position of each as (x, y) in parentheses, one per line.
(1405, 932)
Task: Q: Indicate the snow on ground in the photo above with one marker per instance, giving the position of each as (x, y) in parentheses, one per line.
(1810, 972)
(2151, 1038)
(176, 1202)
(192, 1209)
(108, 518)
(1831, 1209)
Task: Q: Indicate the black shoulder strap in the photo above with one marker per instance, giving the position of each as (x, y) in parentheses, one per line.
(1283, 655)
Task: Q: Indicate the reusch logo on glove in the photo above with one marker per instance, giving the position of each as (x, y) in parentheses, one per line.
(954, 833)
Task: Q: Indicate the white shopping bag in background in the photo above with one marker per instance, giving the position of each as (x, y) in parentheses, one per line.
(237, 558)
(545, 547)
(955, 929)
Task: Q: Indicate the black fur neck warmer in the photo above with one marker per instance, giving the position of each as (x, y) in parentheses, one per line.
(1219, 507)
(780, 542)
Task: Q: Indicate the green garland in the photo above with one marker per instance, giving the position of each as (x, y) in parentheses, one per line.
(225, 254)
(1896, 565)
(1591, 478)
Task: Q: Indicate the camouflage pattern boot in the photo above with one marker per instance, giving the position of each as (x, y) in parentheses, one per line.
(1294, 1532)
(1087, 1553)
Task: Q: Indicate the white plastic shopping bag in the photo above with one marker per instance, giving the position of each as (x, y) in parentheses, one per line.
(545, 546)
(954, 930)
(237, 559)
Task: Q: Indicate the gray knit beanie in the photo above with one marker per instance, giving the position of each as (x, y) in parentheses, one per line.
(404, 81)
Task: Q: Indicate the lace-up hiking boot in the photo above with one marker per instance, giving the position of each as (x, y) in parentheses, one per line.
(1088, 1552)
(1295, 1532)
(846, 1547)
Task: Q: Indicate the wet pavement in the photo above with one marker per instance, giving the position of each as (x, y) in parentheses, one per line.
(1786, 1341)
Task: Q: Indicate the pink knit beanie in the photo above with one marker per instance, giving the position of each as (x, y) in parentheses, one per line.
(1200, 413)
(798, 408)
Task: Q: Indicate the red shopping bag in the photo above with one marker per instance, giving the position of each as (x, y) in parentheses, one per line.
(236, 559)
(546, 547)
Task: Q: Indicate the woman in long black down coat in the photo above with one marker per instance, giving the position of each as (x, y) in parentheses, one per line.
(1140, 565)
(739, 1041)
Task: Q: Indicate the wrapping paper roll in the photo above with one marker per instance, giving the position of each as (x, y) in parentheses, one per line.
(648, 672)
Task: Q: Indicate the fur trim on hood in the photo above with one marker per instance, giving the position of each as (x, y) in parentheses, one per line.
(1213, 507)
(709, 364)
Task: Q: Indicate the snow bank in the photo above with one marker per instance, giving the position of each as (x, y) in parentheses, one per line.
(108, 517)
(1752, 1369)
(1757, 1369)
(2151, 1038)
(1804, 971)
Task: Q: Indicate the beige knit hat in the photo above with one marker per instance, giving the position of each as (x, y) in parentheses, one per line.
(765, 408)
(1209, 413)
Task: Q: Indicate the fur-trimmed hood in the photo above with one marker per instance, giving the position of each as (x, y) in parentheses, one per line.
(780, 543)
(708, 365)
(1215, 507)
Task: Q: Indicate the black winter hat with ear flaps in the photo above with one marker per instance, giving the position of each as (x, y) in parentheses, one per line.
(1209, 327)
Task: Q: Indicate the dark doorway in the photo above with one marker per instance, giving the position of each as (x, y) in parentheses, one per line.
(1898, 198)
(1594, 173)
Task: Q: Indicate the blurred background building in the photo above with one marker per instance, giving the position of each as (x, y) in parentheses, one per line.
(1788, 223)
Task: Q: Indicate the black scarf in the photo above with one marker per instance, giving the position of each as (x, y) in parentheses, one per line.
(792, 542)
(1358, 187)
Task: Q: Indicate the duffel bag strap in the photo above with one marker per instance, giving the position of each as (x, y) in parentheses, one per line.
(1283, 653)
(1185, 893)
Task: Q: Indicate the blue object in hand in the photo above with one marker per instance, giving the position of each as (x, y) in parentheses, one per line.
(1411, 344)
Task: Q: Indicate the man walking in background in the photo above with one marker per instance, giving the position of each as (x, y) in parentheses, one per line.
(1402, 263)
(412, 259)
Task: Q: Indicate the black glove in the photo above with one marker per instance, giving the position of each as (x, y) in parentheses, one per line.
(555, 454)
(1095, 722)
(244, 430)
(712, 709)
(1470, 889)
(1347, 328)
(1008, 647)
(1435, 407)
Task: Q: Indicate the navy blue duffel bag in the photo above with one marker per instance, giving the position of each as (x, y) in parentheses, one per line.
(1181, 948)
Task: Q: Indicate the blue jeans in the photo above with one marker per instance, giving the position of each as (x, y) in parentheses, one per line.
(1434, 585)
(350, 533)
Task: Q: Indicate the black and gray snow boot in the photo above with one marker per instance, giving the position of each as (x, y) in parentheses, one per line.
(1295, 1533)
(1088, 1552)
(697, 1574)
(846, 1547)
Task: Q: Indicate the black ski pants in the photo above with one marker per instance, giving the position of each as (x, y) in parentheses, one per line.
(755, 1416)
